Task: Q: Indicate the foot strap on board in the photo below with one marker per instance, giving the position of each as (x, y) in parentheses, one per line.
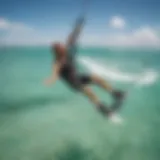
(104, 109)
(119, 99)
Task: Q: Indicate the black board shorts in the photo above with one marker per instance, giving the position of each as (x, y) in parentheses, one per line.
(73, 79)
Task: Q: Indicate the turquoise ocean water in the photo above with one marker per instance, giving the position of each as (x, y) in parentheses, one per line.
(55, 123)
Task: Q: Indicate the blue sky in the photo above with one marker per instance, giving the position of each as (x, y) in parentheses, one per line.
(53, 18)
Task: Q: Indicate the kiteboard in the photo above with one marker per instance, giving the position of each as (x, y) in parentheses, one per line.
(115, 107)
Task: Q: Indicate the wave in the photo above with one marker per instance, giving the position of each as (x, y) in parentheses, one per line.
(149, 76)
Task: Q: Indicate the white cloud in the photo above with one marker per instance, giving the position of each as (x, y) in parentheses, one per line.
(15, 33)
(117, 22)
(4, 24)
(12, 26)
(144, 36)
(141, 37)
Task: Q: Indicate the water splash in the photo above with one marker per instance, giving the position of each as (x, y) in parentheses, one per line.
(148, 77)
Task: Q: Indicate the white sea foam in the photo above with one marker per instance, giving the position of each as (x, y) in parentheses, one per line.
(149, 76)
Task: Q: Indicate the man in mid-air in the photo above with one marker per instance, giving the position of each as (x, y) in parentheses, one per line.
(64, 67)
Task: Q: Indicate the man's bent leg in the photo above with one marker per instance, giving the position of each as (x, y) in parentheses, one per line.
(102, 83)
(105, 85)
(94, 99)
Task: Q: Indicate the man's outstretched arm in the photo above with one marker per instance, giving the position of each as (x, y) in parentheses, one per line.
(73, 37)
(55, 74)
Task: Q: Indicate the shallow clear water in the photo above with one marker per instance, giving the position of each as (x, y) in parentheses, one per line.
(54, 123)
